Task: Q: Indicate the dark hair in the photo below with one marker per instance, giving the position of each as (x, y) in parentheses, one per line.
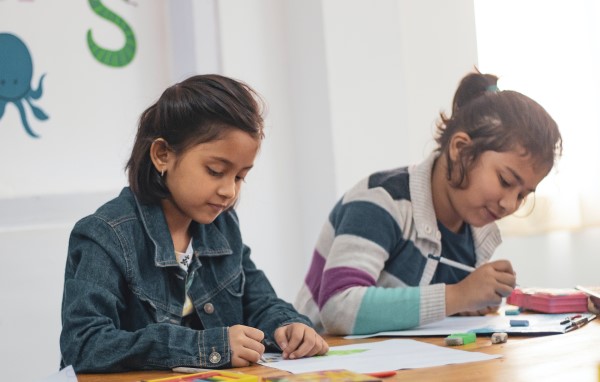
(496, 120)
(198, 110)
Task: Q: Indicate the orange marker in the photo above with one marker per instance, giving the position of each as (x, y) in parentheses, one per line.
(382, 374)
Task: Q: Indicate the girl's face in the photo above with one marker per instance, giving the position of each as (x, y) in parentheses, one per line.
(497, 184)
(205, 180)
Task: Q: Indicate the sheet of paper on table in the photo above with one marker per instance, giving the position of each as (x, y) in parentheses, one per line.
(374, 357)
(538, 324)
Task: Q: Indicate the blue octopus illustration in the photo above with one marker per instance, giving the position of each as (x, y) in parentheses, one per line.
(16, 72)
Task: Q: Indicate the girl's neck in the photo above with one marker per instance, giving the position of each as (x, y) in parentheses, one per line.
(179, 225)
(440, 193)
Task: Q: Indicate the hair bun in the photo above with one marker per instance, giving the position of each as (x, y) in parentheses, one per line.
(473, 86)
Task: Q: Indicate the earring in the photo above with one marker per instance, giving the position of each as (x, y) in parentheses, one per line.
(162, 172)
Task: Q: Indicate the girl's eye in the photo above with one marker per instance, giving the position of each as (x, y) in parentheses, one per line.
(212, 172)
(240, 179)
(503, 181)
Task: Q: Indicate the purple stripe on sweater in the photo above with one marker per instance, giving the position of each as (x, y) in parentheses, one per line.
(313, 278)
(339, 279)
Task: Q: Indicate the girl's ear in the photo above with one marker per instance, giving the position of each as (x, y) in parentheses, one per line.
(458, 141)
(159, 154)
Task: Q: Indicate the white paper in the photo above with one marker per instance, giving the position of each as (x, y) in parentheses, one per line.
(373, 357)
(538, 324)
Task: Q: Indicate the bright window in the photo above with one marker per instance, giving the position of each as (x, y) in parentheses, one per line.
(550, 51)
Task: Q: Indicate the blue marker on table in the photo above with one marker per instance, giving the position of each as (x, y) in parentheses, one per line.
(519, 323)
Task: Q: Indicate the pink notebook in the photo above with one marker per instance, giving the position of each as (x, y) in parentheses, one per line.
(549, 300)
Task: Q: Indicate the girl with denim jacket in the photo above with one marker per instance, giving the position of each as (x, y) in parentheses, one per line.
(159, 277)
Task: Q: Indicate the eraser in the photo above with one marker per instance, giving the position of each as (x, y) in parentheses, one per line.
(457, 339)
(519, 323)
(499, 338)
(453, 341)
(512, 312)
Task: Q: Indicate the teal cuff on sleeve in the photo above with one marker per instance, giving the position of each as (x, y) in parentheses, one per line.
(387, 309)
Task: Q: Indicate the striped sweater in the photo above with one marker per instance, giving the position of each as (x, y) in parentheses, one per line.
(370, 270)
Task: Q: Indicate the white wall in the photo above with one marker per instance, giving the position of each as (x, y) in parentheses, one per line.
(353, 86)
(349, 93)
(76, 164)
(558, 259)
(34, 232)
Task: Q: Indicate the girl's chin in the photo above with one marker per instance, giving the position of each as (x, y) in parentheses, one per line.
(478, 223)
(206, 219)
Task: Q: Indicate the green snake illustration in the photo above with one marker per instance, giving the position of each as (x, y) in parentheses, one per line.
(115, 58)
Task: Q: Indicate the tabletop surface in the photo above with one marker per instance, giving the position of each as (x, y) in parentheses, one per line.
(573, 356)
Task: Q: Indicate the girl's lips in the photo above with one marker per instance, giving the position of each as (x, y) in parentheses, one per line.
(218, 207)
(493, 215)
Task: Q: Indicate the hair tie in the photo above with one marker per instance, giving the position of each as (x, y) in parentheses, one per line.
(492, 88)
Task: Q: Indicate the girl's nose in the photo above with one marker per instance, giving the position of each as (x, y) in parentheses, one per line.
(510, 202)
(227, 188)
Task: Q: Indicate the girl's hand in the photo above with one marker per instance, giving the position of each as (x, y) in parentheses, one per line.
(594, 304)
(484, 287)
(245, 344)
(298, 340)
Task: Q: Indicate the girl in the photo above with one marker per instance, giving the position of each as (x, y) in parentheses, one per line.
(159, 277)
(381, 261)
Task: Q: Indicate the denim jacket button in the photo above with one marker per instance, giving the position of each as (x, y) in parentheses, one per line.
(214, 357)
(209, 308)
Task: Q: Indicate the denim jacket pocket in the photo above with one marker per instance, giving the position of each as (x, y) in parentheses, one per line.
(236, 286)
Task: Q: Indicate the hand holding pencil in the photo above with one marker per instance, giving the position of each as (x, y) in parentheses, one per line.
(246, 345)
(593, 297)
(482, 290)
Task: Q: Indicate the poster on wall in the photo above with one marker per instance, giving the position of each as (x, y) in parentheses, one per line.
(74, 77)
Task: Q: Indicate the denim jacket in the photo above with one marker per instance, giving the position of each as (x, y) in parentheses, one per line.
(124, 292)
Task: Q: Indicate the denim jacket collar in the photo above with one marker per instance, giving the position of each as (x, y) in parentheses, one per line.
(207, 239)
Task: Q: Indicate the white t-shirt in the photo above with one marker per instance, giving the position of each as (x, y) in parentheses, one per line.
(184, 259)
